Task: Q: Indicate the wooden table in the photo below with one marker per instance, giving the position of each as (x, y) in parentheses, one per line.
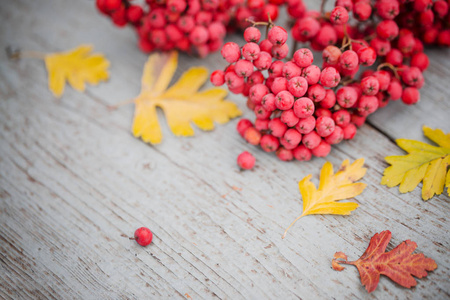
(73, 180)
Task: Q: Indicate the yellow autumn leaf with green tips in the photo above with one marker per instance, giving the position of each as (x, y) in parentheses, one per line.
(182, 103)
(332, 187)
(424, 163)
(77, 67)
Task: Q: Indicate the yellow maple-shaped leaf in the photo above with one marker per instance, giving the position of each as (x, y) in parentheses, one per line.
(76, 66)
(332, 187)
(182, 103)
(423, 163)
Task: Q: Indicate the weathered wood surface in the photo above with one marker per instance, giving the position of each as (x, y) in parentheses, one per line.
(73, 180)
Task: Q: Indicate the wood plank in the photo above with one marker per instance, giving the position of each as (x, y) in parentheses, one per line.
(73, 180)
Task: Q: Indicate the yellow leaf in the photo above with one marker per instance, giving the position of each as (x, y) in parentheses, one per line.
(182, 103)
(423, 163)
(77, 66)
(332, 187)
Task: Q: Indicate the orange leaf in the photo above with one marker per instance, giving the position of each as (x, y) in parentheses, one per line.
(399, 264)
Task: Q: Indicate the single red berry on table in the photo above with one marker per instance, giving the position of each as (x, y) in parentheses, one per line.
(246, 160)
(143, 236)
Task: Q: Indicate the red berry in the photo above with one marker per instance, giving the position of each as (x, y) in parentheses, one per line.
(243, 125)
(252, 34)
(367, 56)
(231, 52)
(280, 51)
(143, 236)
(277, 127)
(302, 153)
(279, 84)
(394, 57)
(316, 92)
(349, 131)
(264, 61)
(284, 100)
(303, 107)
(284, 154)
(246, 160)
(217, 77)
(367, 105)
(410, 95)
(113, 4)
(311, 74)
(388, 9)
(382, 47)
(387, 30)
(290, 70)
(311, 140)
(306, 125)
(297, 86)
(341, 117)
(331, 54)
(339, 15)
(322, 150)
(325, 126)
(243, 68)
(330, 99)
(349, 60)
(307, 28)
(370, 85)
(252, 136)
(395, 89)
(326, 36)
(362, 10)
(277, 35)
(346, 96)
(257, 92)
(268, 102)
(134, 13)
(269, 143)
(441, 8)
(330, 77)
(251, 51)
(289, 118)
(291, 139)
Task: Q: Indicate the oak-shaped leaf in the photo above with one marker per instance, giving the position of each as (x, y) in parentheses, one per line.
(332, 187)
(424, 163)
(77, 67)
(182, 103)
(399, 264)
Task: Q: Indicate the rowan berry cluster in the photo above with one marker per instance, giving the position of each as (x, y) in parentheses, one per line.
(197, 27)
(301, 109)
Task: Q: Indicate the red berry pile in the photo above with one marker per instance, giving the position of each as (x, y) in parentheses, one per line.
(301, 109)
(197, 27)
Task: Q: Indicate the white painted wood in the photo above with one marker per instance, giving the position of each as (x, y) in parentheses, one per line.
(73, 180)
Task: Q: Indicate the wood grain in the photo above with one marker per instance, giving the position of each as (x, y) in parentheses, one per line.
(73, 180)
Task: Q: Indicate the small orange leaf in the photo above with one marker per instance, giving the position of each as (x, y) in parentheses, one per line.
(399, 264)
(334, 263)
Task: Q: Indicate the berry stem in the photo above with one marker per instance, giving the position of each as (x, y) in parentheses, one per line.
(322, 6)
(294, 48)
(390, 66)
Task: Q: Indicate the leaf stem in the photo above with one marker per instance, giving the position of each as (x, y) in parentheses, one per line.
(285, 232)
(18, 54)
(116, 106)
